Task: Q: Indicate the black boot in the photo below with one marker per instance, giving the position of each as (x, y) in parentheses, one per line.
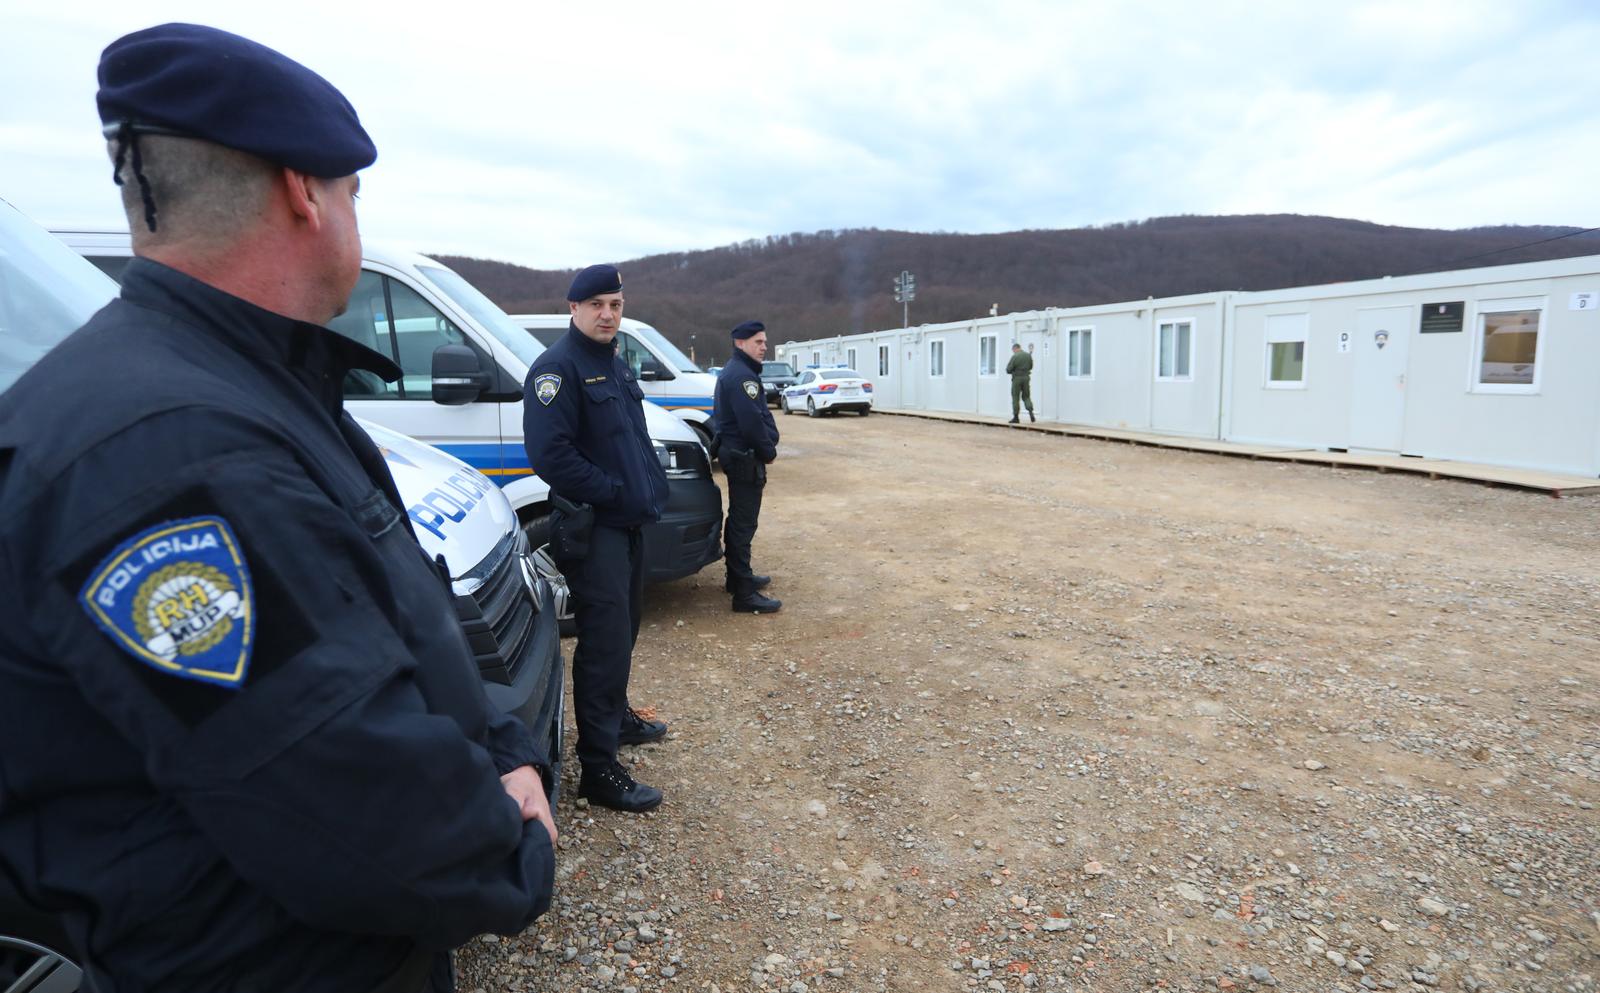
(611, 786)
(1012, 421)
(756, 583)
(637, 730)
(1031, 417)
(756, 603)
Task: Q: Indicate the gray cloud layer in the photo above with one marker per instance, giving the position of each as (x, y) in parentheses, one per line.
(551, 136)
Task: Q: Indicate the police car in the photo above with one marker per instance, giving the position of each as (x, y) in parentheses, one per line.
(506, 596)
(820, 390)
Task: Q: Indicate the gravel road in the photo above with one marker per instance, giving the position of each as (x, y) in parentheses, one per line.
(1044, 713)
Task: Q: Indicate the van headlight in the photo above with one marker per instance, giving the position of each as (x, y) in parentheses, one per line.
(682, 459)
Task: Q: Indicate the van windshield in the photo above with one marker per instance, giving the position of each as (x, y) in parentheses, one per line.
(494, 320)
(667, 348)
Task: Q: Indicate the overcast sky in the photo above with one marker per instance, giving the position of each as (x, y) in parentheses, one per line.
(560, 134)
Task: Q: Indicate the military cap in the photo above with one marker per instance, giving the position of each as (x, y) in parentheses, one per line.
(749, 329)
(199, 82)
(593, 281)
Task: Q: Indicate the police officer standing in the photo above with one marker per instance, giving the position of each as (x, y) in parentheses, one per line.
(583, 424)
(243, 742)
(1020, 368)
(747, 442)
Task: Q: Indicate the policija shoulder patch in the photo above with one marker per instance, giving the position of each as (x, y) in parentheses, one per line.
(546, 387)
(178, 598)
(752, 389)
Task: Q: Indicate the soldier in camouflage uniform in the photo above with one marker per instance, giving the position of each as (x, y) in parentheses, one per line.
(1020, 369)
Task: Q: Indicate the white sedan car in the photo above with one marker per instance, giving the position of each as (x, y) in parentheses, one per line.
(828, 391)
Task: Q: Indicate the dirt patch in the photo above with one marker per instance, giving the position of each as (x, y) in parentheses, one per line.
(1050, 713)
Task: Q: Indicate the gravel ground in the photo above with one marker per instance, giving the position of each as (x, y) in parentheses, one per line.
(1046, 713)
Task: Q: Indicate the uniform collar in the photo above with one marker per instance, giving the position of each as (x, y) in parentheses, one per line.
(752, 363)
(599, 350)
(246, 328)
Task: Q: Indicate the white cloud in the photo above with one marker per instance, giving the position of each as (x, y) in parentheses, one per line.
(559, 134)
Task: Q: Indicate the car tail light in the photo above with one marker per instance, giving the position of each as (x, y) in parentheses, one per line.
(866, 387)
(827, 387)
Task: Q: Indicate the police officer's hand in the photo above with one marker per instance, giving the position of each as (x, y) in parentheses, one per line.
(524, 786)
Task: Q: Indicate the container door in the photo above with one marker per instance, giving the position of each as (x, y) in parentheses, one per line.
(1042, 384)
(1378, 381)
(911, 371)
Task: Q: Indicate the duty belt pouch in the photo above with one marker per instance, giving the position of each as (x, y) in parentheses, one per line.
(570, 528)
(739, 463)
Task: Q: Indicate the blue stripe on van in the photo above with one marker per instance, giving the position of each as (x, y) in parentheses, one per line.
(503, 463)
(675, 403)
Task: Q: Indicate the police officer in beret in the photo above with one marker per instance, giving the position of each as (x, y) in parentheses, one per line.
(243, 743)
(747, 442)
(583, 424)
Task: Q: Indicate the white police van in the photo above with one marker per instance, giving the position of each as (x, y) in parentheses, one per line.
(463, 363)
(507, 597)
(669, 378)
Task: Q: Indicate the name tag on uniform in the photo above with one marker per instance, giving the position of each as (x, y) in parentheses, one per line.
(594, 379)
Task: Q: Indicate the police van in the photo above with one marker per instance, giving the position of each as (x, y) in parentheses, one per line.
(507, 596)
(464, 362)
(669, 378)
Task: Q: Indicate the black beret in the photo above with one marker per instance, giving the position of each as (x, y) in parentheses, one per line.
(593, 281)
(199, 82)
(749, 329)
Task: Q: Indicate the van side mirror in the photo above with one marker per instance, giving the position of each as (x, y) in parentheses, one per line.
(655, 374)
(458, 376)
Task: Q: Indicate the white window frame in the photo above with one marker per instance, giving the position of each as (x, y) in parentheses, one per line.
(850, 358)
(1284, 329)
(1482, 310)
(994, 355)
(883, 361)
(1080, 330)
(1175, 377)
(936, 345)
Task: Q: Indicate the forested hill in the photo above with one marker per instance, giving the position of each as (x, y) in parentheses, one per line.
(839, 282)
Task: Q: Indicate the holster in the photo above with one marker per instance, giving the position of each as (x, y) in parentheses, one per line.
(741, 465)
(571, 525)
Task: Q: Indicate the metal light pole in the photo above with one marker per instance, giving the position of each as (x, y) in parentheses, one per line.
(905, 291)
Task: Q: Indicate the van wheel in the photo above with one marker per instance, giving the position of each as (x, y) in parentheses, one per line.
(537, 530)
(702, 432)
(34, 964)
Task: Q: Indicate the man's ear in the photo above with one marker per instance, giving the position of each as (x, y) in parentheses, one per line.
(305, 197)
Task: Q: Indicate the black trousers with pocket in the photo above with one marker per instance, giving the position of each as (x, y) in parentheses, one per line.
(608, 587)
(744, 512)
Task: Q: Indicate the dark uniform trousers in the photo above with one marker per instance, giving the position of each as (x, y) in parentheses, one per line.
(744, 510)
(608, 586)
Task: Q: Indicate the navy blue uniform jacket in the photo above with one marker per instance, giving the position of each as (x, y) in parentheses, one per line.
(740, 410)
(304, 820)
(583, 425)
